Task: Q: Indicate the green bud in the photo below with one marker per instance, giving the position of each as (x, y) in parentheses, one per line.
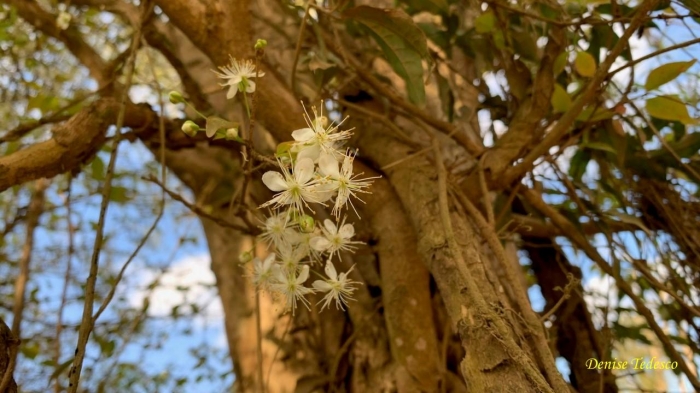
(306, 223)
(232, 133)
(260, 44)
(190, 128)
(245, 257)
(175, 97)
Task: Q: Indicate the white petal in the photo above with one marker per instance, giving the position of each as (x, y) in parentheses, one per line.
(324, 191)
(330, 226)
(251, 86)
(303, 275)
(304, 170)
(330, 271)
(319, 243)
(312, 152)
(347, 231)
(268, 262)
(303, 135)
(274, 181)
(322, 286)
(232, 92)
(328, 165)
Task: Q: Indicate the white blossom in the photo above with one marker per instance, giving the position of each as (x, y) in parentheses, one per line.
(338, 287)
(289, 285)
(237, 76)
(334, 239)
(276, 230)
(320, 136)
(294, 188)
(262, 271)
(290, 256)
(343, 180)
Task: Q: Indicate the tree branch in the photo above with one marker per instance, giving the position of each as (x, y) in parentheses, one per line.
(74, 143)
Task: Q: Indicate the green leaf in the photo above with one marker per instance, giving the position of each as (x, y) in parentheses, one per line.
(560, 63)
(485, 22)
(119, 194)
(599, 146)
(402, 42)
(215, 123)
(30, 351)
(692, 5)
(669, 107)
(592, 114)
(578, 164)
(432, 6)
(97, 167)
(666, 73)
(561, 102)
(585, 64)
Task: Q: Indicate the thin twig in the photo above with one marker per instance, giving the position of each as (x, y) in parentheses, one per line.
(200, 212)
(161, 204)
(86, 324)
(297, 50)
(66, 279)
(36, 207)
(573, 282)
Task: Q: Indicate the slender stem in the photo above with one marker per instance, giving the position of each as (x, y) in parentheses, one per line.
(87, 321)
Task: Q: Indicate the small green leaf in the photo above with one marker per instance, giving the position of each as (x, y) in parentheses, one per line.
(578, 164)
(119, 194)
(485, 22)
(599, 146)
(585, 64)
(215, 123)
(30, 351)
(97, 167)
(432, 6)
(592, 114)
(561, 102)
(560, 63)
(283, 149)
(402, 41)
(666, 73)
(669, 107)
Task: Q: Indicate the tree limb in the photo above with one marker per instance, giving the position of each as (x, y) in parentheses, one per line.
(73, 143)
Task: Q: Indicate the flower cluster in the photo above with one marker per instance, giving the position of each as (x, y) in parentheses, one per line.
(313, 170)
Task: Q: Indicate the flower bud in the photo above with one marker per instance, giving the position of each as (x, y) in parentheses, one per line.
(232, 133)
(260, 44)
(306, 223)
(245, 257)
(175, 97)
(190, 128)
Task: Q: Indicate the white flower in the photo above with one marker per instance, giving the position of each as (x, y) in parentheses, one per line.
(276, 230)
(294, 189)
(63, 20)
(339, 287)
(290, 286)
(319, 136)
(238, 76)
(334, 240)
(290, 256)
(343, 180)
(303, 243)
(262, 271)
